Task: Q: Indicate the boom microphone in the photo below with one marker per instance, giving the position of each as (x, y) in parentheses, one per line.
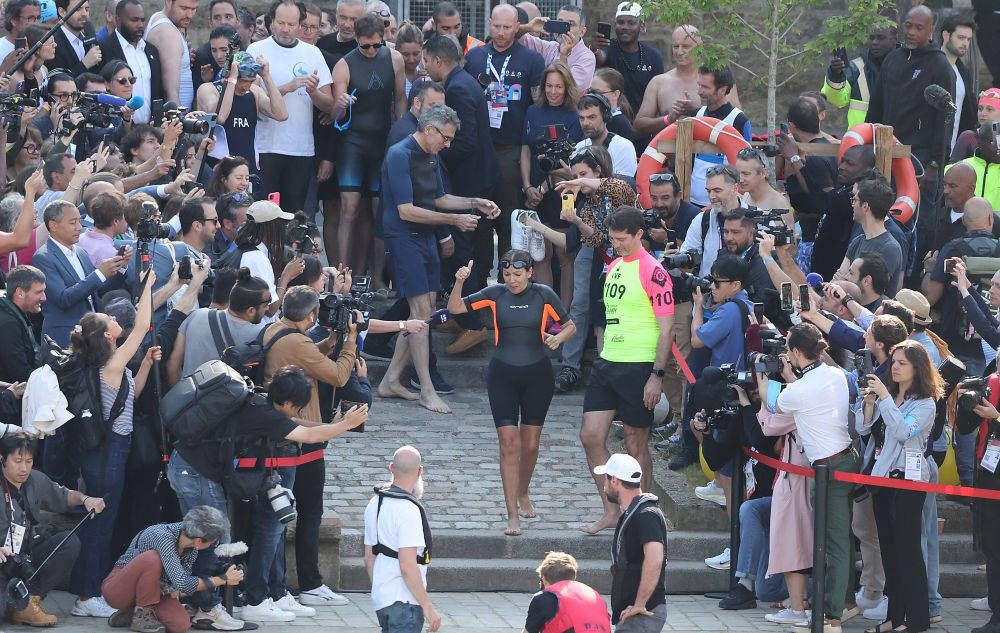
(815, 280)
(135, 103)
(111, 100)
(939, 98)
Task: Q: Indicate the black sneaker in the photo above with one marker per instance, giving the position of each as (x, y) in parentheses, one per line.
(568, 379)
(440, 385)
(738, 598)
(681, 461)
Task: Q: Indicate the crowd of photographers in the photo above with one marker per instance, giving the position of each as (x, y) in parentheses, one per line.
(163, 268)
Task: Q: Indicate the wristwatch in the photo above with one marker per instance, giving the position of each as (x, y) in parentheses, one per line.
(659, 373)
(402, 326)
(794, 159)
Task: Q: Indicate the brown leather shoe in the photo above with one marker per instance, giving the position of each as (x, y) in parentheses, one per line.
(467, 340)
(34, 615)
(449, 327)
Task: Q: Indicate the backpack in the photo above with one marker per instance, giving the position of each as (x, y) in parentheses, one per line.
(248, 358)
(196, 408)
(80, 384)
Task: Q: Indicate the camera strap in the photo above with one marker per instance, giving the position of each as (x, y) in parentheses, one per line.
(221, 334)
(396, 492)
(984, 426)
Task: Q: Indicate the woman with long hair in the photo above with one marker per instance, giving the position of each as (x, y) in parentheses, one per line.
(95, 340)
(556, 106)
(231, 174)
(409, 42)
(260, 246)
(519, 381)
(610, 83)
(899, 414)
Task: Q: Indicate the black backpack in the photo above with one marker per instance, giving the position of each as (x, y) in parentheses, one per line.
(195, 409)
(248, 358)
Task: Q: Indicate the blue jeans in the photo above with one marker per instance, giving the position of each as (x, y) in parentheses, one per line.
(965, 444)
(755, 548)
(265, 576)
(194, 490)
(401, 617)
(94, 561)
(929, 543)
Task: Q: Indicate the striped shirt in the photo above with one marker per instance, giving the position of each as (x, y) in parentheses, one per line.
(163, 538)
(122, 425)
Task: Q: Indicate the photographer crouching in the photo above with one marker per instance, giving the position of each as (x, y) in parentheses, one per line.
(726, 425)
(26, 492)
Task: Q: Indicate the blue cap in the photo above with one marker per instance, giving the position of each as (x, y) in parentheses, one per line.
(48, 10)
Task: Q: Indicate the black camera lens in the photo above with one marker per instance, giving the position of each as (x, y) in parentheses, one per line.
(195, 126)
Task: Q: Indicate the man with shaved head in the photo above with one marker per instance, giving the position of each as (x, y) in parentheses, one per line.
(398, 548)
(959, 188)
(511, 73)
(674, 93)
(898, 96)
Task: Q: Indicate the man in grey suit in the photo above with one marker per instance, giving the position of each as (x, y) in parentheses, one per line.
(72, 283)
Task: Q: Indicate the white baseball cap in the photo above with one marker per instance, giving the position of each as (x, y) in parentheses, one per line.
(621, 466)
(265, 211)
(629, 8)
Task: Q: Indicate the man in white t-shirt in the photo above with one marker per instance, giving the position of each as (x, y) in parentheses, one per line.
(17, 15)
(397, 549)
(819, 401)
(594, 111)
(286, 148)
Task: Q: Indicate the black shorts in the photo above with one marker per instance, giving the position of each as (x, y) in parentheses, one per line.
(359, 164)
(520, 392)
(618, 387)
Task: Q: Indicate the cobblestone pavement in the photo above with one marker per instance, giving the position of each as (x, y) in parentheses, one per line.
(461, 468)
(504, 612)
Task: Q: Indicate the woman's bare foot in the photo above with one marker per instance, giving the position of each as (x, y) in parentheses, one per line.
(607, 521)
(433, 402)
(392, 389)
(513, 527)
(525, 508)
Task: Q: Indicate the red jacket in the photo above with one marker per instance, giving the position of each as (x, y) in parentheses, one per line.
(580, 608)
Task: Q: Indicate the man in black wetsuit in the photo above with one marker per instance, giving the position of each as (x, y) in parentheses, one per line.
(370, 85)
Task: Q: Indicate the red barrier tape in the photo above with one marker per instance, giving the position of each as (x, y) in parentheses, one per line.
(884, 482)
(683, 364)
(281, 462)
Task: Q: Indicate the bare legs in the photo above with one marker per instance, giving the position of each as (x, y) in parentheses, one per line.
(518, 455)
(331, 222)
(354, 231)
(594, 437)
(416, 346)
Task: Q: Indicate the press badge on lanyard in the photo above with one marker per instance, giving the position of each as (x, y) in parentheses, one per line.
(15, 535)
(496, 92)
(991, 458)
(914, 465)
(750, 478)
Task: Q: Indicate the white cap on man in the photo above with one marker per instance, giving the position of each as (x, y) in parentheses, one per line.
(629, 8)
(621, 466)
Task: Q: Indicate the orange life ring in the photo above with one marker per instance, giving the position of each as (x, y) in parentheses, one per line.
(907, 188)
(706, 129)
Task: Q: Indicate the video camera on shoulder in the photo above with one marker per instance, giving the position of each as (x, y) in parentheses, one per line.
(553, 148)
(149, 227)
(337, 311)
(301, 238)
(772, 222)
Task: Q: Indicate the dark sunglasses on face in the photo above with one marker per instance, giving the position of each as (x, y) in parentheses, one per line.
(126, 80)
(376, 45)
(718, 282)
(519, 265)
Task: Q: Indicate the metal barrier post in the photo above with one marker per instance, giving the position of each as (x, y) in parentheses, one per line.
(819, 547)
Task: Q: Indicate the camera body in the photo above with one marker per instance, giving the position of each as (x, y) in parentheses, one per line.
(553, 148)
(971, 393)
(198, 124)
(11, 107)
(301, 238)
(336, 311)
(184, 269)
(687, 282)
(281, 499)
(736, 378)
(769, 362)
(772, 222)
(95, 114)
(691, 259)
(720, 418)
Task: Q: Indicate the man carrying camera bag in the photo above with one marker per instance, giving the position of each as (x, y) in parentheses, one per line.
(25, 493)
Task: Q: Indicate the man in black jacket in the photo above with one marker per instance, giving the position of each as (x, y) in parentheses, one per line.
(956, 37)
(76, 47)
(25, 294)
(126, 43)
(898, 97)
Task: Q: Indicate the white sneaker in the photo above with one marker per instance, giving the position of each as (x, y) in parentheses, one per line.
(266, 611)
(863, 602)
(218, 619)
(877, 613)
(323, 597)
(979, 604)
(288, 603)
(719, 562)
(786, 616)
(711, 492)
(94, 607)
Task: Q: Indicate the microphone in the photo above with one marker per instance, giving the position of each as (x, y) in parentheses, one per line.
(135, 103)
(20, 100)
(815, 280)
(939, 98)
(111, 100)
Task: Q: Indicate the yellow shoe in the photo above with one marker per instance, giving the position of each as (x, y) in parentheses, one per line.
(34, 615)
(467, 340)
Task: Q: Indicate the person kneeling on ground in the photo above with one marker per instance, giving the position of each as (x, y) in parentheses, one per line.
(156, 569)
(563, 604)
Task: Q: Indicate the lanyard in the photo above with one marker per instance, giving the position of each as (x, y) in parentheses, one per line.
(9, 538)
(350, 110)
(503, 69)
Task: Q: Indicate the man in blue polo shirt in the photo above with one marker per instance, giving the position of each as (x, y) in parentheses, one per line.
(509, 73)
(412, 188)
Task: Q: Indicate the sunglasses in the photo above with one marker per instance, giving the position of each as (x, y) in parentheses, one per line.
(376, 45)
(238, 198)
(126, 80)
(382, 12)
(749, 153)
(519, 265)
(662, 177)
(717, 282)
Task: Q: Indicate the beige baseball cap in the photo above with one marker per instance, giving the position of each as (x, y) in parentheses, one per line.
(265, 211)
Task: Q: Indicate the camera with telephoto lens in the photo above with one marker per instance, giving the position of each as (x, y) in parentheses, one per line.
(281, 499)
(687, 282)
(769, 361)
(553, 148)
(720, 418)
(149, 228)
(11, 107)
(301, 238)
(691, 259)
(185, 273)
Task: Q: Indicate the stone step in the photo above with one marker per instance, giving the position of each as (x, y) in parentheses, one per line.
(957, 548)
(961, 580)
(518, 574)
(475, 544)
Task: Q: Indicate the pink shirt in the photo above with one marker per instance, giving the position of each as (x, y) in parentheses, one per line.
(99, 246)
(581, 59)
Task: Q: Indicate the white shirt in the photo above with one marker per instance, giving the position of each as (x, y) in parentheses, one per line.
(398, 526)
(819, 403)
(6, 47)
(135, 57)
(75, 42)
(708, 245)
(959, 100)
(623, 160)
(293, 137)
(74, 261)
(259, 264)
